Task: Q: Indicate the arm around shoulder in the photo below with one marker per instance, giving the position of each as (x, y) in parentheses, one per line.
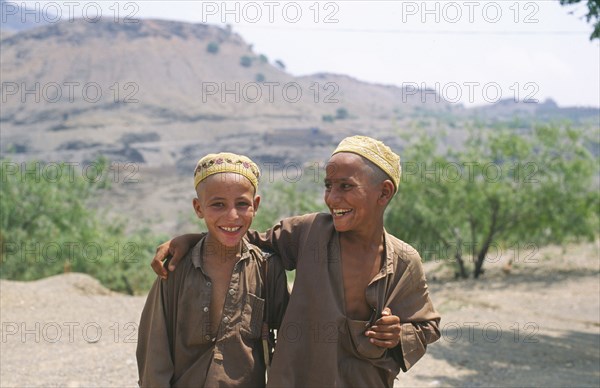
(284, 238)
(172, 252)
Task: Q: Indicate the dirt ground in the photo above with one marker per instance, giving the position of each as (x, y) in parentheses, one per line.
(537, 326)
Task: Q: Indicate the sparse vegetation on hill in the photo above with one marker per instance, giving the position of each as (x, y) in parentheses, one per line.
(341, 113)
(279, 63)
(246, 61)
(212, 47)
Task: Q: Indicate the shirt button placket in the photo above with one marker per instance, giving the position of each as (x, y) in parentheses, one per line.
(205, 309)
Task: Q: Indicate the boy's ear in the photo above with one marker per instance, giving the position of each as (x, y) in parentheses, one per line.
(197, 208)
(387, 192)
(256, 202)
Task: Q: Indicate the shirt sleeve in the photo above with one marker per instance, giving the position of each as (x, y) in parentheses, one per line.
(277, 292)
(283, 238)
(155, 364)
(414, 338)
(418, 318)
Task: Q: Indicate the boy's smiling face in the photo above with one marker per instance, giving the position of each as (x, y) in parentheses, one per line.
(227, 203)
(350, 194)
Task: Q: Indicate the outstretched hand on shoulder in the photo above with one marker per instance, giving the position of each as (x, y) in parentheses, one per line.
(174, 250)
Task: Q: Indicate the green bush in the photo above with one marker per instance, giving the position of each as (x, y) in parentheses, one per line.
(501, 189)
(246, 61)
(341, 113)
(285, 199)
(280, 64)
(213, 47)
(48, 225)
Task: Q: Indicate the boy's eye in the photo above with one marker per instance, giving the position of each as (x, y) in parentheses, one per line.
(243, 204)
(217, 204)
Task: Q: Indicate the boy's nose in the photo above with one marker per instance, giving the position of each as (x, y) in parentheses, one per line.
(333, 196)
(233, 214)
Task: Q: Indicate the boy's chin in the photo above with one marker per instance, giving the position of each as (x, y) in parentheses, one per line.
(341, 226)
(231, 243)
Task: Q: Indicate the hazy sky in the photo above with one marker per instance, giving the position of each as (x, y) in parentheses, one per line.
(470, 51)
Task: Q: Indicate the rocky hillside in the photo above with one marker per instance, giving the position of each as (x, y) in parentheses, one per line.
(75, 89)
(160, 93)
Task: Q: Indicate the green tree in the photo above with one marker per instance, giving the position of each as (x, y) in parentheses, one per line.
(341, 113)
(280, 64)
(285, 199)
(593, 13)
(48, 225)
(246, 61)
(213, 47)
(501, 189)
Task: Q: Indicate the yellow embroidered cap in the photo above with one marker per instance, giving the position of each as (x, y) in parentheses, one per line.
(226, 162)
(375, 151)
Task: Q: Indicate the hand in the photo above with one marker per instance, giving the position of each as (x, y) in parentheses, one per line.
(385, 332)
(176, 248)
(162, 252)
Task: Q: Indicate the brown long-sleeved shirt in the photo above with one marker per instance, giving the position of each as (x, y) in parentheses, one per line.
(317, 345)
(175, 345)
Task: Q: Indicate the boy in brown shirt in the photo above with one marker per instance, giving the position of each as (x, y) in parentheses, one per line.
(203, 326)
(360, 309)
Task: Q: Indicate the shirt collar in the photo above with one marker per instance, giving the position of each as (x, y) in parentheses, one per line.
(198, 259)
(387, 267)
(389, 252)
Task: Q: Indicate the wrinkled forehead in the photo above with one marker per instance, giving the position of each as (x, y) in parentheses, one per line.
(345, 163)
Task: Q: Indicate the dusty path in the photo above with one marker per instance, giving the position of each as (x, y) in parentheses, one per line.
(539, 326)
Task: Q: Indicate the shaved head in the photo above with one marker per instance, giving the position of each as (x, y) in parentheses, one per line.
(376, 174)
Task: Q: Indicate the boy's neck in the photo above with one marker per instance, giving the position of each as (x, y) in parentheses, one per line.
(214, 250)
(364, 240)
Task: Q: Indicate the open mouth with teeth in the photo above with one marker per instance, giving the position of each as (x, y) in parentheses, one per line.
(340, 212)
(230, 229)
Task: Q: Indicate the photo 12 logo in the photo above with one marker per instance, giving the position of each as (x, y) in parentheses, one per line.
(453, 12)
(269, 11)
(471, 92)
(69, 92)
(477, 332)
(54, 172)
(50, 12)
(49, 252)
(269, 92)
(68, 332)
